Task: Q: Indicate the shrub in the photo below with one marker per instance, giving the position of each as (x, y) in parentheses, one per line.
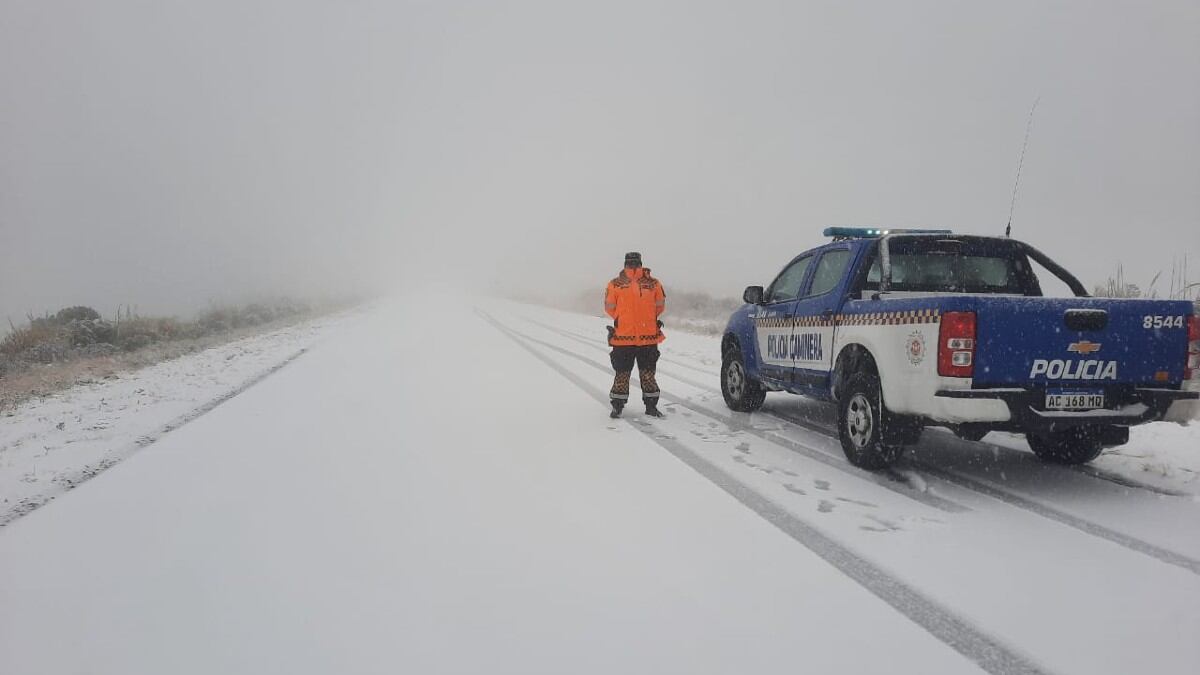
(136, 332)
(98, 349)
(82, 332)
(256, 314)
(39, 331)
(216, 320)
(134, 342)
(45, 352)
(77, 313)
(79, 330)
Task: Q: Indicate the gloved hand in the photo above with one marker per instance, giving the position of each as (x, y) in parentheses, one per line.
(610, 330)
(660, 323)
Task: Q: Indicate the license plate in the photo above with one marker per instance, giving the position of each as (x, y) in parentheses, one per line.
(1074, 401)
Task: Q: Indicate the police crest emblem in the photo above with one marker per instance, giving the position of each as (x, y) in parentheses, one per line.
(915, 347)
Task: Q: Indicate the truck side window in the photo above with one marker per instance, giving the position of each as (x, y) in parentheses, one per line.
(787, 285)
(830, 269)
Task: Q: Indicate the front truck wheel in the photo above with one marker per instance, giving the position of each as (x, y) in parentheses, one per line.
(869, 434)
(1077, 445)
(742, 393)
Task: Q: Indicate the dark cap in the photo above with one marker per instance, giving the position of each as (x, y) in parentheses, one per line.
(633, 259)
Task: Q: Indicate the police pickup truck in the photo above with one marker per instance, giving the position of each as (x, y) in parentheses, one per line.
(905, 329)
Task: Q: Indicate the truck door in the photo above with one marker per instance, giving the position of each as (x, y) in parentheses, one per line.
(773, 321)
(813, 321)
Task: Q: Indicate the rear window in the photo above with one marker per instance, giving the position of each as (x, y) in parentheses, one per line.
(960, 265)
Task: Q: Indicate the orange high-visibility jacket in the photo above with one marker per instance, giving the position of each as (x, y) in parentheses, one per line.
(634, 299)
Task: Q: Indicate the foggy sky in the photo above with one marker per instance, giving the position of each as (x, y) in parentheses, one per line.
(166, 154)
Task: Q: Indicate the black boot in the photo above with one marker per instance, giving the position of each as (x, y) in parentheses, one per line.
(652, 408)
(617, 405)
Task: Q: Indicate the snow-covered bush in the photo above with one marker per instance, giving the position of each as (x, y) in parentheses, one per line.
(83, 332)
(45, 352)
(77, 313)
(98, 349)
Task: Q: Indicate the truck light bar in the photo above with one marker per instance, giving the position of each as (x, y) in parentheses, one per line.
(868, 232)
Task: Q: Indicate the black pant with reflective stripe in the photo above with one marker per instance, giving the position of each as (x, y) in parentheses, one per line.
(623, 359)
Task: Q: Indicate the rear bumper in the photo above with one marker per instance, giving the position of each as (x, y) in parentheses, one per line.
(1139, 406)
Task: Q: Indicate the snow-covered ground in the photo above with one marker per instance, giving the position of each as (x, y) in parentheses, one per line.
(52, 444)
(436, 488)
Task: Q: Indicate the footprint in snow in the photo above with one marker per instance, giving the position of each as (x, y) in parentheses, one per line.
(742, 447)
(855, 501)
(825, 506)
(821, 484)
(791, 487)
(886, 525)
(921, 520)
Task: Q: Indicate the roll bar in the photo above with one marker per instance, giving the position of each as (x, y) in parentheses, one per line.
(885, 261)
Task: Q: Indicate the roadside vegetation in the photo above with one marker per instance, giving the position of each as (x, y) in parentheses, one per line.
(47, 353)
(1176, 286)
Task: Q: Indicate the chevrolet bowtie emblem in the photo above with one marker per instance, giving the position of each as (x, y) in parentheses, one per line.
(1084, 347)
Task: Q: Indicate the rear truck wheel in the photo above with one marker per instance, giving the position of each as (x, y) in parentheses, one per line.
(742, 393)
(1077, 445)
(871, 437)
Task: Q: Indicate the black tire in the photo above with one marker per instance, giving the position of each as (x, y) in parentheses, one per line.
(742, 393)
(1077, 445)
(864, 424)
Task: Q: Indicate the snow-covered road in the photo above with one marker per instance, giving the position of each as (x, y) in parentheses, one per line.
(397, 500)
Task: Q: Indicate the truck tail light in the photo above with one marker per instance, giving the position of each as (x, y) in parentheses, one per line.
(956, 344)
(1193, 355)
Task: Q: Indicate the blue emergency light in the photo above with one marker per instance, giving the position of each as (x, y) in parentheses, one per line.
(867, 232)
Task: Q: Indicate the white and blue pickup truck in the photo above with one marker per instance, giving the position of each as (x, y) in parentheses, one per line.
(905, 329)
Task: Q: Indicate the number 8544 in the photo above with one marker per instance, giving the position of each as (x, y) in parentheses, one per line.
(1162, 322)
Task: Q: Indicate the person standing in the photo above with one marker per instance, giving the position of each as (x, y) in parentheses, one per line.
(634, 300)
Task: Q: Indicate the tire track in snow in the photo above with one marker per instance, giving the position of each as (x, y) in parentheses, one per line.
(1087, 470)
(989, 489)
(892, 481)
(956, 632)
(977, 486)
(591, 343)
(833, 460)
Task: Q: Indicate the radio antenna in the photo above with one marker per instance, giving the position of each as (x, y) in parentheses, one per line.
(1020, 163)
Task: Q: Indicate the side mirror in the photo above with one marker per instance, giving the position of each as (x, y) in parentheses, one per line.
(753, 295)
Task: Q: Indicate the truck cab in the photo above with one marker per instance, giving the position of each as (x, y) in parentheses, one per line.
(911, 328)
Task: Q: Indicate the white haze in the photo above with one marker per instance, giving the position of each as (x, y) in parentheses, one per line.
(166, 154)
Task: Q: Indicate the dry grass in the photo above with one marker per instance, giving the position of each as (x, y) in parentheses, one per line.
(34, 380)
(1178, 285)
(79, 332)
(37, 332)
